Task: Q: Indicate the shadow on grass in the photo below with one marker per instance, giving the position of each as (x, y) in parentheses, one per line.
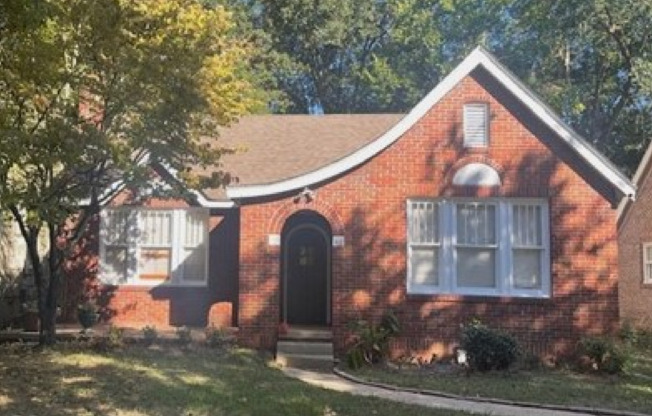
(167, 381)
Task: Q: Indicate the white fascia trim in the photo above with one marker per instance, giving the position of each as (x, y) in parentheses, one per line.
(479, 56)
(637, 180)
(201, 199)
(370, 150)
(647, 157)
(207, 203)
(541, 110)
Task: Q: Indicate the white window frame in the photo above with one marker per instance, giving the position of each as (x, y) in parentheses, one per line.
(647, 277)
(447, 266)
(485, 135)
(133, 250)
(451, 213)
(435, 245)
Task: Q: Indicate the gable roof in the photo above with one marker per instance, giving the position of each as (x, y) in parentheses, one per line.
(644, 167)
(373, 141)
(281, 147)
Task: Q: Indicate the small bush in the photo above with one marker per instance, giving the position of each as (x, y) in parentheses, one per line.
(114, 339)
(184, 336)
(150, 335)
(604, 354)
(488, 349)
(218, 337)
(371, 341)
(637, 337)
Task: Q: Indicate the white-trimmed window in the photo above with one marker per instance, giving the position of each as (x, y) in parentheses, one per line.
(476, 125)
(493, 247)
(153, 246)
(647, 263)
(423, 238)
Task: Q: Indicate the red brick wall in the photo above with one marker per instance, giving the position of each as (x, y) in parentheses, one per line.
(636, 230)
(367, 206)
(161, 306)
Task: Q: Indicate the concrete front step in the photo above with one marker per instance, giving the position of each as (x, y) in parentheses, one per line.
(305, 347)
(307, 334)
(308, 348)
(306, 361)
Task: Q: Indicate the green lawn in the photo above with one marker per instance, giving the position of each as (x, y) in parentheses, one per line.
(167, 381)
(631, 391)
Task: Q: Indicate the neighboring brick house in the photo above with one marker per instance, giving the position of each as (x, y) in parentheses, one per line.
(635, 245)
(478, 203)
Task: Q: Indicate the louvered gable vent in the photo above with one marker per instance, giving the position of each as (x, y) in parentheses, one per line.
(475, 125)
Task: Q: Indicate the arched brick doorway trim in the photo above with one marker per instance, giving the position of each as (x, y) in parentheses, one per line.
(306, 257)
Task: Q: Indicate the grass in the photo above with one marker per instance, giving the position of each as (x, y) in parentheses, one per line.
(168, 381)
(631, 391)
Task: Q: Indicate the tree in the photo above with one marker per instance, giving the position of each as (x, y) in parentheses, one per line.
(365, 56)
(89, 91)
(590, 59)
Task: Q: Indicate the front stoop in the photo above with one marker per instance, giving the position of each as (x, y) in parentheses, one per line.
(306, 348)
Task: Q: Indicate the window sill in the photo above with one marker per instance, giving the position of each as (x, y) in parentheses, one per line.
(475, 298)
(150, 285)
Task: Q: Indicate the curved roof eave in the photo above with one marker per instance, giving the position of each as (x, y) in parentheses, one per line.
(479, 56)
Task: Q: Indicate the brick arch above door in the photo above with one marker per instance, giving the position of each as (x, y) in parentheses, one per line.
(277, 220)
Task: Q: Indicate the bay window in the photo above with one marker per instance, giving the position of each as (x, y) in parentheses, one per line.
(492, 247)
(153, 246)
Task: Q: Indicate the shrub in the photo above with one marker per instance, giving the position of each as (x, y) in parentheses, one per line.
(371, 341)
(637, 337)
(150, 334)
(87, 315)
(604, 354)
(218, 337)
(488, 349)
(184, 336)
(113, 339)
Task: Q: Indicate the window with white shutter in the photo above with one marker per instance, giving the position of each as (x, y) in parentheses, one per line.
(153, 246)
(114, 237)
(476, 125)
(194, 246)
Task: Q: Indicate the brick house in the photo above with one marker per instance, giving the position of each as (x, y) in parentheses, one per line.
(478, 203)
(635, 245)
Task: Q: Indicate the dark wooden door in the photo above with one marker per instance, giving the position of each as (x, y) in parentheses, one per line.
(306, 277)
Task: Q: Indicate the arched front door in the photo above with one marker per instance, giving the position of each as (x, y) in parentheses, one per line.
(306, 270)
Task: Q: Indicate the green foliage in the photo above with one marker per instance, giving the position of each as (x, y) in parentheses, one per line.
(150, 334)
(346, 56)
(87, 314)
(113, 339)
(90, 90)
(637, 337)
(184, 336)
(218, 337)
(488, 349)
(371, 341)
(604, 354)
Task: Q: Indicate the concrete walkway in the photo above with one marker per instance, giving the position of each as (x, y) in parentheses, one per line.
(333, 382)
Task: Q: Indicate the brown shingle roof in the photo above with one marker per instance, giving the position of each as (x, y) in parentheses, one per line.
(279, 147)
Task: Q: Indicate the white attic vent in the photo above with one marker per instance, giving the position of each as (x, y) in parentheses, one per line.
(476, 125)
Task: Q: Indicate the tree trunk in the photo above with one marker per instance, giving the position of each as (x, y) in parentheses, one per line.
(48, 332)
